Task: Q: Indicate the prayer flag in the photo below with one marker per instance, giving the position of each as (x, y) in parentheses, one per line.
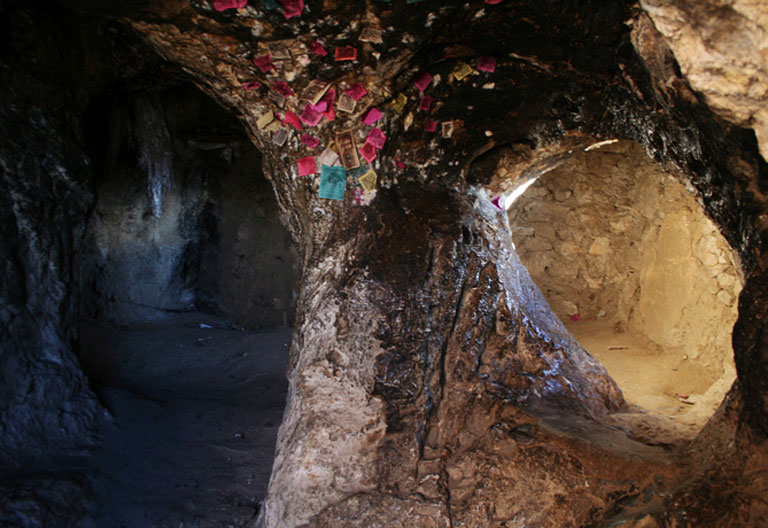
(423, 81)
(487, 64)
(306, 166)
(372, 116)
(376, 137)
(333, 182)
(264, 63)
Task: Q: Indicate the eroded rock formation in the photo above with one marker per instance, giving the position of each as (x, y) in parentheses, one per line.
(430, 383)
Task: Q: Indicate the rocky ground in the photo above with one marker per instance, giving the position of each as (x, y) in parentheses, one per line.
(195, 413)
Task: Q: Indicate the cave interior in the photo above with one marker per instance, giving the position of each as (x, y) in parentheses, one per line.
(397, 263)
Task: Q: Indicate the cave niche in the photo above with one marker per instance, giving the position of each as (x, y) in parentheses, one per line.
(641, 277)
(184, 218)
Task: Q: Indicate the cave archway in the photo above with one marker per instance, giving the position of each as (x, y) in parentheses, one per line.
(188, 284)
(638, 274)
(184, 217)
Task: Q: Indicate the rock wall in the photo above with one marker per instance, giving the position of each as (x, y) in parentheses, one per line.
(48, 415)
(610, 234)
(249, 266)
(194, 228)
(721, 47)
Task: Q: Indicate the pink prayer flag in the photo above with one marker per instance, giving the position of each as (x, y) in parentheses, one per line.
(430, 126)
(345, 53)
(264, 63)
(251, 85)
(221, 5)
(292, 119)
(423, 81)
(283, 88)
(399, 164)
(368, 151)
(372, 116)
(292, 8)
(356, 91)
(497, 202)
(376, 137)
(425, 103)
(317, 48)
(486, 64)
(329, 97)
(310, 141)
(310, 117)
(306, 166)
(321, 106)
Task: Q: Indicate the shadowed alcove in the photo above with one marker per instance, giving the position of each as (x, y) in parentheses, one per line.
(188, 287)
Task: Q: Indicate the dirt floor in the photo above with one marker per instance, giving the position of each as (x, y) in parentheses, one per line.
(671, 382)
(195, 413)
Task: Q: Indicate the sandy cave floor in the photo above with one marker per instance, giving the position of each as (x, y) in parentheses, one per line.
(669, 382)
(195, 414)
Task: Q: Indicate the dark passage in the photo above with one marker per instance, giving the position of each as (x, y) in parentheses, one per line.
(187, 281)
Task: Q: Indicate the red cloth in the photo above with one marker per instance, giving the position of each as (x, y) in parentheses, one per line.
(306, 166)
(356, 91)
(317, 48)
(329, 98)
(372, 116)
(423, 81)
(292, 8)
(310, 141)
(283, 88)
(486, 64)
(310, 117)
(264, 63)
(425, 103)
(292, 119)
(345, 53)
(221, 5)
(376, 137)
(368, 151)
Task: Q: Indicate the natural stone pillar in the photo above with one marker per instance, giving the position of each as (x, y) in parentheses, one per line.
(419, 330)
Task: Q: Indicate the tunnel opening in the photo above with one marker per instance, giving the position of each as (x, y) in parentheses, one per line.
(640, 276)
(188, 292)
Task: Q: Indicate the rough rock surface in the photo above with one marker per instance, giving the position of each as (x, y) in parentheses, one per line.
(430, 384)
(46, 408)
(722, 49)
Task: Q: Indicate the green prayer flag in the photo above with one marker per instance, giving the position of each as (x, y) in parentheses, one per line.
(359, 171)
(333, 182)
